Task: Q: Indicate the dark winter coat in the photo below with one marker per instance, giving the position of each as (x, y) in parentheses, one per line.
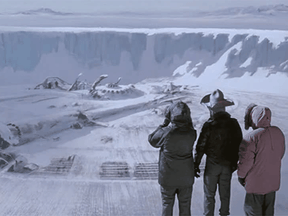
(176, 142)
(260, 154)
(219, 139)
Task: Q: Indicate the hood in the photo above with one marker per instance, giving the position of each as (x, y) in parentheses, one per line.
(261, 117)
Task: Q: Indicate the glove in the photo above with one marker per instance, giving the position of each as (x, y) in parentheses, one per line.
(241, 181)
(196, 171)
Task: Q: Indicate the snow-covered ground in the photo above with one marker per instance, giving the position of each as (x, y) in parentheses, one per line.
(119, 135)
(78, 155)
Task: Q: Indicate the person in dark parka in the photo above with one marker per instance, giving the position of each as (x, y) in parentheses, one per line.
(176, 168)
(219, 139)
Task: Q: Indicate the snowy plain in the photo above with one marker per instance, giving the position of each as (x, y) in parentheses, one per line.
(117, 127)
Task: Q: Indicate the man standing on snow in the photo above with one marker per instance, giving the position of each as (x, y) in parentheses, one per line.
(219, 139)
(260, 157)
(176, 170)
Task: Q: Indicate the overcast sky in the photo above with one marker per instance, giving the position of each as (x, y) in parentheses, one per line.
(129, 5)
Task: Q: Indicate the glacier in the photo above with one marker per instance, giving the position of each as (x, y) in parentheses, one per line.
(32, 54)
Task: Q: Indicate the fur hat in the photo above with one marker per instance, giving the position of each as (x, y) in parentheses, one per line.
(216, 99)
(247, 117)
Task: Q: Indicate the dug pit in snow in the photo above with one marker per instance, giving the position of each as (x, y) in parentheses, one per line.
(112, 170)
(144, 171)
(60, 166)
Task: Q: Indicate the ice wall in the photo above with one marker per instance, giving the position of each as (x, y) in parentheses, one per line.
(135, 55)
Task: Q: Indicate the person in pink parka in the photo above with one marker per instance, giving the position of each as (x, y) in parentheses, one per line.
(260, 154)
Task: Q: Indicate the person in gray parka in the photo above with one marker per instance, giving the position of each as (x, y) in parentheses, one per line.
(176, 169)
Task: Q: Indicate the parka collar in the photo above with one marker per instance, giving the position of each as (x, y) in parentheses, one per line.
(220, 115)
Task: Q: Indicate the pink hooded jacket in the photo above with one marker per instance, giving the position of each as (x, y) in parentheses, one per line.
(260, 154)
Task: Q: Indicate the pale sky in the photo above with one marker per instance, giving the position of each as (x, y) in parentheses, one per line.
(110, 6)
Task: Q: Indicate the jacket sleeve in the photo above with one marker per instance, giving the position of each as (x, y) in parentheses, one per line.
(237, 139)
(284, 146)
(247, 152)
(284, 149)
(201, 144)
(156, 137)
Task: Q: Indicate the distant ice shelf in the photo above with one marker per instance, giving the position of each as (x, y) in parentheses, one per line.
(32, 54)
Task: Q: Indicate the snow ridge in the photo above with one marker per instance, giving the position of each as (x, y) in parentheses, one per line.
(44, 11)
(267, 10)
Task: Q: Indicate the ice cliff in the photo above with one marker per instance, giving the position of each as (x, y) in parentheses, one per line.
(136, 54)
